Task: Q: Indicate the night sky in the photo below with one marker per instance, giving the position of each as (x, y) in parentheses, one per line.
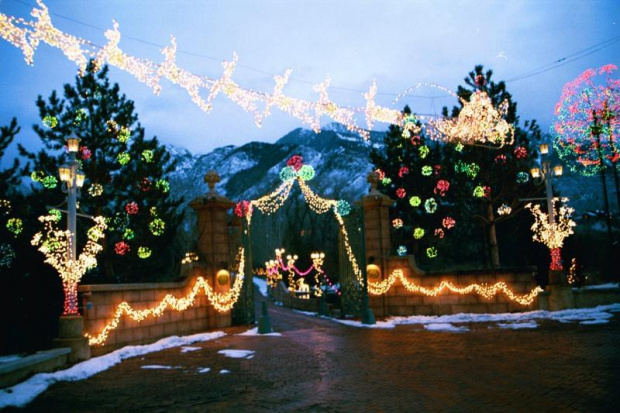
(397, 43)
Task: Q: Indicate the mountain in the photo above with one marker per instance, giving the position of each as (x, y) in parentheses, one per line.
(339, 157)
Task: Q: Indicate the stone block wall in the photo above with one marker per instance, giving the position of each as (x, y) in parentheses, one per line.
(100, 303)
(398, 301)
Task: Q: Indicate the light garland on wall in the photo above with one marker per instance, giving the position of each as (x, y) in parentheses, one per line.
(552, 234)
(26, 36)
(486, 291)
(56, 244)
(222, 302)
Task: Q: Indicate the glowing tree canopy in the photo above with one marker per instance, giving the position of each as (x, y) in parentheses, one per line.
(125, 176)
(56, 244)
(478, 123)
(588, 121)
(552, 234)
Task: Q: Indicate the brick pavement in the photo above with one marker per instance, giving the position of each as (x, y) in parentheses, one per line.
(321, 366)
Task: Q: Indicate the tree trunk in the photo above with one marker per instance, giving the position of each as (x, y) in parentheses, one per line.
(493, 247)
(606, 202)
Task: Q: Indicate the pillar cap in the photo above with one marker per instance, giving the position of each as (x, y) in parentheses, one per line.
(212, 178)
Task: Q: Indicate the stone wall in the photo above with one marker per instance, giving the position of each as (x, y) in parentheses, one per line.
(100, 303)
(400, 302)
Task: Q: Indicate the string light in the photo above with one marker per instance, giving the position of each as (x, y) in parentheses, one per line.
(415, 201)
(56, 244)
(95, 190)
(131, 208)
(144, 252)
(522, 177)
(401, 251)
(50, 121)
(123, 158)
(15, 226)
(418, 233)
(397, 223)
(147, 155)
(157, 227)
(504, 210)
(431, 252)
(222, 302)
(189, 258)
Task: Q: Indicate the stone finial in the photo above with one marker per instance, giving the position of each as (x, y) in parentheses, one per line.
(373, 179)
(212, 178)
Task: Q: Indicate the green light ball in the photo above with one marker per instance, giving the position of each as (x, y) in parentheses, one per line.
(306, 172)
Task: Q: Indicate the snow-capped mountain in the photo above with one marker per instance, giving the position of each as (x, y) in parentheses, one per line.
(339, 157)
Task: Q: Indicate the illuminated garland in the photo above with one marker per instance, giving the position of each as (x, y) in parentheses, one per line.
(485, 291)
(56, 244)
(221, 302)
(478, 122)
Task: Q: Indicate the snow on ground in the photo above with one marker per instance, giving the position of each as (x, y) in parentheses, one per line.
(517, 326)
(597, 315)
(160, 367)
(599, 286)
(254, 332)
(261, 283)
(186, 349)
(204, 370)
(444, 327)
(224, 371)
(237, 354)
(23, 393)
(8, 359)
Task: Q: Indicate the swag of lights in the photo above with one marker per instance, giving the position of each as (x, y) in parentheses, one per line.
(486, 291)
(477, 123)
(222, 302)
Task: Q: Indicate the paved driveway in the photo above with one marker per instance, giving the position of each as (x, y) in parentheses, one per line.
(318, 365)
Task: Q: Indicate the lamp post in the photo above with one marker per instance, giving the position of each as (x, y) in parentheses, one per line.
(546, 174)
(72, 179)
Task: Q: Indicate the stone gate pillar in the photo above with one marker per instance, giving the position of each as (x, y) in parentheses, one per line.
(376, 223)
(377, 239)
(214, 243)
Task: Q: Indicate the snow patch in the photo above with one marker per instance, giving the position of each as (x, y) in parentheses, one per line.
(236, 354)
(444, 327)
(224, 371)
(599, 287)
(204, 370)
(261, 283)
(254, 332)
(160, 367)
(517, 326)
(8, 359)
(598, 321)
(23, 393)
(187, 349)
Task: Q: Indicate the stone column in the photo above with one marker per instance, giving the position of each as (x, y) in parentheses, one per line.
(377, 239)
(377, 223)
(560, 292)
(71, 334)
(213, 241)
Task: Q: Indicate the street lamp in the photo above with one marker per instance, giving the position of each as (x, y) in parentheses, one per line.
(546, 174)
(72, 179)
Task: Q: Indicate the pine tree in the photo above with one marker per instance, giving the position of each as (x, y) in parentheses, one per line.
(125, 177)
(410, 167)
(490, 183)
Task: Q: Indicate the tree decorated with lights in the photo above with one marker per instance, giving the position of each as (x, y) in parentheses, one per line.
(11, 225)
(490, 178)
(125, 175)
(552, 234)
(587, 127)
(411, 173)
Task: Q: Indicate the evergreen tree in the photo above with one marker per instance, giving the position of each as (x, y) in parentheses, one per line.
(490, 183)
(411, 172)
(125, 177)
